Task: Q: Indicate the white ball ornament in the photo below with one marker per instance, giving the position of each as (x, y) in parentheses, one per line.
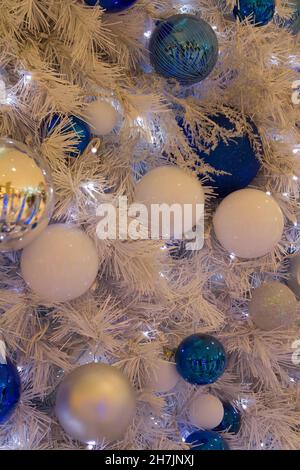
(248, 223)
(206, 411)
(101, 116)
(94, 402)
(163, 377)
(61, 264)
(273, 305)
(171, 185)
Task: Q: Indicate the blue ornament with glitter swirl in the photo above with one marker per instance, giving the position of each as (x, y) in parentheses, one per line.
(260, 12)
(10, 390)
(75, 124)
(200, 359)
(238, 158)
(111, 6)
(183, 47)
(206, 440)
(231, 421)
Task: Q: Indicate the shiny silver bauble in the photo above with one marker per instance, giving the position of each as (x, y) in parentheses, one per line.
(26, 195)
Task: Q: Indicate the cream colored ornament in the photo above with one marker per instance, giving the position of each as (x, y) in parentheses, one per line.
(206, 411)
(101, 116)
(248, 223)
(170, 185)
(163, 377)
(273, 305)
(26, 195)
(94, 402)
(61, 264)
(294, 277)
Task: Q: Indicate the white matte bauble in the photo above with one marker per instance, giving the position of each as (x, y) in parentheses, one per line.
(94, 402)
(206, 411)
(171, 185)
(248, 223)
(163, 377)
(273, 305)
(294, 275)
(61, 264)
(101, 116)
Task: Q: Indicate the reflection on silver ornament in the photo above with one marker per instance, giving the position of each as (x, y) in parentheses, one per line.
(94, 402)
(26, 195)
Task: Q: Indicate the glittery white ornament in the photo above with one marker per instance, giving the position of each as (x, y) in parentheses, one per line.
(273, 305)
(206, 411)
(248, 223)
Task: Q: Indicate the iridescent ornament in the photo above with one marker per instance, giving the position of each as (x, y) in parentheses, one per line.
(111, 6)
(200, 359)
(231, 421)
(273, 305)
(10, 389)
(26, 195)
(184, 47)
(73, 124)
(94, 402)
(206, 440)
(237, 157)
(259, 11)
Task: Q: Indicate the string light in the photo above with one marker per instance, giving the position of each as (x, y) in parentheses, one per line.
(27, 77)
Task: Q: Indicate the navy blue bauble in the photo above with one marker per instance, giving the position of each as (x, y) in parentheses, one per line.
(183, 47)
(231, 421)
(237, 157)
(206, 440)
(261, 11)
(10, 390)
(111, 6)
(74, 124)
(200, 359)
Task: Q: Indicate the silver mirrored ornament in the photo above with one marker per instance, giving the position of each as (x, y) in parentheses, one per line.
(26, 195)
(94, 402)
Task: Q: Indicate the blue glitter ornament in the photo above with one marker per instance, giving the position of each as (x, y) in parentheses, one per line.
(200, 359)
(261, 11)
(184, 47)
(75, 124)
(231, 421)
(237, 157)
(206, 440)
(10, 390)
(111, 6)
